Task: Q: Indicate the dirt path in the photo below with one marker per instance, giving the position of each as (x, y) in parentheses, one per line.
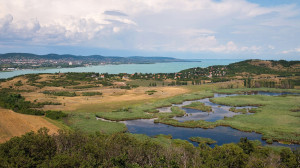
(15, 124)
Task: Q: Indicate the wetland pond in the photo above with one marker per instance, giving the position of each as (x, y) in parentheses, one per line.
(221, 134)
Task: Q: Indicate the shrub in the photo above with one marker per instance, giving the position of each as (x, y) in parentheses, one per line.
(55, 115)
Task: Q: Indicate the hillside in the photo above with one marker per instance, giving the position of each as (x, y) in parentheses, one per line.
(15, 124)
(254, 67)
(264, 67)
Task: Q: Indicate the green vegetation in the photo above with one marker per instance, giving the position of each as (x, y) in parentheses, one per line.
(105, 83)
(176, 112)
(122, 115)
(91, 93)
(87, 123)
(267, 83)
(32, 78)
(276, 118)
(273, 119)
(84, 87)
(125, 87)
(19, 83)
(163, 136)
(150, 92)
(250, 90)
(203, 140)
(55, 83)
(60, 93)
(41, 104)
(55, 115)
(87, 76)
(76, 149)
(17, 103)
(235, 110)
(148, 110)
(199, 106)
(190, 123)
(245, 66)
(146, 82)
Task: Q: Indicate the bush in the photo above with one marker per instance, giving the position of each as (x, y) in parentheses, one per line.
(76, 149)
(60, 93)
(55, 115)
(91, 93)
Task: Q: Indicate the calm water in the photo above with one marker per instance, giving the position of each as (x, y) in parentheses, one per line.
(221, 134)
(129, 68)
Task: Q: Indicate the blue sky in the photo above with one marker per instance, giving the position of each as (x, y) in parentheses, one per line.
(197, 29)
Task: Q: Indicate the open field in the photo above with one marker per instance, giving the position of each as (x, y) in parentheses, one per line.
(15, 124)
(109, 96)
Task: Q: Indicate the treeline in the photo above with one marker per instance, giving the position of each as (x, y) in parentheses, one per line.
(124, 150)
(60, 93)
(177, 83)
(17, 103)
(285, 63)
(283, 84)
(91, 93)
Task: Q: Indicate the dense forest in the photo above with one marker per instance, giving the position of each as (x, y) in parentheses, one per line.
(76, 149)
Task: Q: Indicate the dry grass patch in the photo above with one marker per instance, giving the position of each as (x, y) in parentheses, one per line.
(110, 95)
(15, 124)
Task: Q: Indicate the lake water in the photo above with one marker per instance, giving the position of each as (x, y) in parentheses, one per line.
(128, 68)
(221, 134)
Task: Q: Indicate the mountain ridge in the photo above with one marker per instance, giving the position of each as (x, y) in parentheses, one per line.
(53, 56)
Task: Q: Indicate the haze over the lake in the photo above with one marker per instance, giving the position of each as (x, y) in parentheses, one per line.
(197, 29)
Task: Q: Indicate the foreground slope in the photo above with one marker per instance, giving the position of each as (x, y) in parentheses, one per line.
(15, 124)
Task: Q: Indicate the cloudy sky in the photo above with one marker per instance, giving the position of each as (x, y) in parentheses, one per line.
(266, 29)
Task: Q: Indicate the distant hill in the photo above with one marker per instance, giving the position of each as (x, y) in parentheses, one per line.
(91, 58)
(264, 67)
(253, 67)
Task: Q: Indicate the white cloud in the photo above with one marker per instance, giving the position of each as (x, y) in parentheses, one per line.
(271, 47)
(161, 25)
(286, 51)
(295, 50)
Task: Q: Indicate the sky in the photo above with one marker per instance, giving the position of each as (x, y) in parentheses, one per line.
(189, 29)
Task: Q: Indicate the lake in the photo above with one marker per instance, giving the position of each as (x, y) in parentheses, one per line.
(128, 68)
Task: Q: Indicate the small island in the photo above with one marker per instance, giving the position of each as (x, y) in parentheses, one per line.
(199, 106)
(199, 140)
